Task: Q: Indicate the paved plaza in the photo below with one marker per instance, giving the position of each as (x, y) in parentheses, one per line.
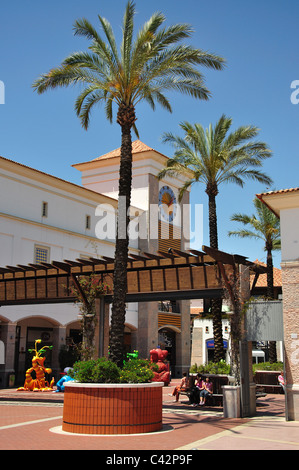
(32, 421)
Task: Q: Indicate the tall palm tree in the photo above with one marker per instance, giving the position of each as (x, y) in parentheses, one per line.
(212, 157)
(145, 67)
(265, 226)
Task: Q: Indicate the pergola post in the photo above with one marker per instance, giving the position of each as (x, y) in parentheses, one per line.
(102, 327)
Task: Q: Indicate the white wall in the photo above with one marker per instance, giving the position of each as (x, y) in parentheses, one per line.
(63, 231)
(289, 222)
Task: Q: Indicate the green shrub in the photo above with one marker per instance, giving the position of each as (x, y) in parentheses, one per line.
(96, 371)
(103, 370)
(211, 368)
(277, 366)
(137, 371)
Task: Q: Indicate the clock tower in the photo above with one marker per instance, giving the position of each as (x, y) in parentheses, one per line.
(165, 324)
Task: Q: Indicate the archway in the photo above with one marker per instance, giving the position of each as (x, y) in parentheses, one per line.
(27, 331)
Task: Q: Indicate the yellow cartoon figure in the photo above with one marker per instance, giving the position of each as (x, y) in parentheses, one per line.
(35, 376)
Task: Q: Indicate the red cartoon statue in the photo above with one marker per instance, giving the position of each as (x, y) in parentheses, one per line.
(159, 357)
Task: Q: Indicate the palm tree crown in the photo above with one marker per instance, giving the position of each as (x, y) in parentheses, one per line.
(214, 156)
(143, 69)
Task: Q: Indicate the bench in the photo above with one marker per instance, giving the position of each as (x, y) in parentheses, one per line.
(216, 399)
(218, 381)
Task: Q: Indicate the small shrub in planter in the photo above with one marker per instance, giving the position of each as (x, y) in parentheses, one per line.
(275, 366)
(213, 368)
(96, 371)
(103, 370)
(137, 371)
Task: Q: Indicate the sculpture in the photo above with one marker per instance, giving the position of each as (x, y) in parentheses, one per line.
(35, 376)
(60, 386)
(159, 357)
(133, 355)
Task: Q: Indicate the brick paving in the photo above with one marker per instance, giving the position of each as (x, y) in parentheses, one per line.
(31, 421)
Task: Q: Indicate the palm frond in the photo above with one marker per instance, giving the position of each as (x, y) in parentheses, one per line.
(146, 68)
(126, 46)
(84, 28)
(218, 157)
(89, 102)
(61, 77)
(245, 234)
(110, 37)
(264, 224)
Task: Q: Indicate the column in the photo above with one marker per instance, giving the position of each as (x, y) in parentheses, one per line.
(8, 335)
(290, 283)
(183, 349)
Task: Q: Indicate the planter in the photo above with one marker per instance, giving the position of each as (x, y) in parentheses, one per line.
(112, 408)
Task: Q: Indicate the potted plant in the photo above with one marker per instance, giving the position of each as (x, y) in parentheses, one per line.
(106, 399)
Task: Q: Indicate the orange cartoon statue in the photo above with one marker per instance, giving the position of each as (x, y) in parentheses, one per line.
(35, 376)
(159, 357)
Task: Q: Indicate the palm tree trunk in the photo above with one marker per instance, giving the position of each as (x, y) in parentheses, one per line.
(121, 249)
(213, 230)
(270, 295)
(216, 304)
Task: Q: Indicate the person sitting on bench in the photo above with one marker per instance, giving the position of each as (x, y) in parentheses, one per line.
(281, 381)
(183, 385)
(207, 391)
(197, 388)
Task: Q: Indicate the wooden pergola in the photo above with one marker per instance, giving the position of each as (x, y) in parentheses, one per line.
(175, 275)
(170, 276)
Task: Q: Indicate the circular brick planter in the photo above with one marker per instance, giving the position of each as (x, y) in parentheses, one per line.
(112, 408)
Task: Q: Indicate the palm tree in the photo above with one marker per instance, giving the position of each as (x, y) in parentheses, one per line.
(212, 157)
(265, 226)
(145, 67)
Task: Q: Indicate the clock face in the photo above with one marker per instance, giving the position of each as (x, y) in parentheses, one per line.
(167, 203)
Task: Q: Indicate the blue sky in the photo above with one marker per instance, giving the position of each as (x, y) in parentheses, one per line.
(258, 39)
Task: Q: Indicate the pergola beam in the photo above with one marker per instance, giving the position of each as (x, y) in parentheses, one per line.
(175, 275)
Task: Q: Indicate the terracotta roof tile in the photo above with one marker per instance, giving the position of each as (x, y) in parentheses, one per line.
(262, 279)
(280, 191)
(137, 147)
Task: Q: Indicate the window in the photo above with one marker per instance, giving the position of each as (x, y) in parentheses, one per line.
(41, 254)
(44, 209)
(87, 222)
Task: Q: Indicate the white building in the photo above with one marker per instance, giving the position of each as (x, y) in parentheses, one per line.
(44, 218)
